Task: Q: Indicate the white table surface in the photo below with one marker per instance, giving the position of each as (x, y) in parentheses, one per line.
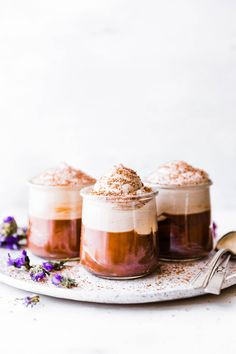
(205, 324)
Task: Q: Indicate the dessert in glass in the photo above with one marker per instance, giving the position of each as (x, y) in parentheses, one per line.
(55, 208)
(183, 211)
(119, 232)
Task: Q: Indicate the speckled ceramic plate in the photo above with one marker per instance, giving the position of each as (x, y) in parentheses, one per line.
(172, 282)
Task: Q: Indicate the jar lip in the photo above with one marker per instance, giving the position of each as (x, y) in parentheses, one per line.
(85, 193)
(183, 187)
(59, 187)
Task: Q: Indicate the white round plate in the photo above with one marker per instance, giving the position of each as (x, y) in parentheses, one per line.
(172, 282)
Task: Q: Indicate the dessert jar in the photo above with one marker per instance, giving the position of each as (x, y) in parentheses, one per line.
(119, 236)
(184, 220)
(54, 221)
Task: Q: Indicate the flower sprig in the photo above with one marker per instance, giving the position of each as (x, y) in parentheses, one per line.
(12, 236)
(38, 273)
(21, 261)
(30, 301)
(50, 266)
(41, 272)
(62, 281)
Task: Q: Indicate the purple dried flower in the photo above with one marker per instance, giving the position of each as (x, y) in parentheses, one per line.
(31, 300)
(9, 226)
(37, 273)
(47, 266)
(57, 279)
(37, 276)
(22, 230)
(11, 236)
(18, 262)
(64, 282)
(10, 242)
(52, 266)
(8, 219)
(214, 230)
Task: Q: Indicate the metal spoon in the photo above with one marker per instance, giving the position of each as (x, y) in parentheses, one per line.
(212, 276)
(228, 242)
(215, 283)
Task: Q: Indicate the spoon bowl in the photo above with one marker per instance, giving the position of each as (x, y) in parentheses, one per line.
(227, 242)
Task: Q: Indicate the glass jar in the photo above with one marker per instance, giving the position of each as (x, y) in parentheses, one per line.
(119, 236)
(184, 220)
(54, 221)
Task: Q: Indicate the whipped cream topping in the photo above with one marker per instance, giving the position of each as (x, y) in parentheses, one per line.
(64, 175)
(55, 204)
(104, 217)
(120, 181)
(181, 202)
(178, 173)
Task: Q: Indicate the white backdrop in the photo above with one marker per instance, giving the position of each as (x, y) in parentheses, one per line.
(99, 82)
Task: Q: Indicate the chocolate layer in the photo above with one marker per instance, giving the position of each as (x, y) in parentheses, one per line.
(55, 239)
(113, 254)
(185, 236)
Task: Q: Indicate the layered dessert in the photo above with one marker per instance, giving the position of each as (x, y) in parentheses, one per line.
(55, 208)
(119, 234)
(183, 211)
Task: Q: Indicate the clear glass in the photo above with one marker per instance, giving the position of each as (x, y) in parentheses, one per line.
(184, 222)
(119, 236)
(54, 221)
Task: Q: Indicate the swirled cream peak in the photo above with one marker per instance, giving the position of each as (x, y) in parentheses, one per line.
(178, 173)
(120, 181)
(64, 175)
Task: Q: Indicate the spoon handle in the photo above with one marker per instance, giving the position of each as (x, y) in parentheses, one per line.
(215, 283)
(202, 278)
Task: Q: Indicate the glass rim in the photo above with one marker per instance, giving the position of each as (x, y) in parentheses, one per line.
(85, 193)
(59, 187)
(184, 187)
